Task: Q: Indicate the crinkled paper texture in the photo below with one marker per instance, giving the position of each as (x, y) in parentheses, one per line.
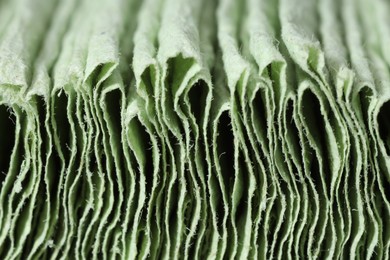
(179, 129)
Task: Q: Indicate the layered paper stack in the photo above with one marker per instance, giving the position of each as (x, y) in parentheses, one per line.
(194, 129)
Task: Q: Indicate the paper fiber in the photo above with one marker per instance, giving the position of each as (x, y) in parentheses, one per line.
(179, 129)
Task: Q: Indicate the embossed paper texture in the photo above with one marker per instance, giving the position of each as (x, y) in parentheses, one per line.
(182, 129)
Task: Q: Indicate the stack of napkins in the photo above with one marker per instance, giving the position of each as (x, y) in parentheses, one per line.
(194, 129)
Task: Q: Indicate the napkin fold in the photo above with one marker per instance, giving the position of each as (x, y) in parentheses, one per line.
(194, 129)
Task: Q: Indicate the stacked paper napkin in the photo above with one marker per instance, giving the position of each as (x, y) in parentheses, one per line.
(194, 129)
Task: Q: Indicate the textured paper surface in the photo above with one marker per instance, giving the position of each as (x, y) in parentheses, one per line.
(170, 129)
